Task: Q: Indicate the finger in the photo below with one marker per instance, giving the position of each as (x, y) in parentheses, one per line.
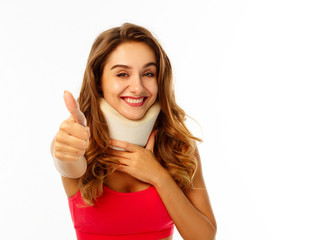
(124, 145)
(121, 161)
(65, 157)
(122, 168)
(68, 150)
(120, 153)
(72, 107)
(72, 128)
(151, 140)
(72, 141)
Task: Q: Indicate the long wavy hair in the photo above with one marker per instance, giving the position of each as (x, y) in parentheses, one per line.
(174, 144)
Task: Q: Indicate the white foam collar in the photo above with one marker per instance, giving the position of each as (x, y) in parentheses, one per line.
(132, 131)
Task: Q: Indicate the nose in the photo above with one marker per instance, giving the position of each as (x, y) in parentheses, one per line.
(136, 85)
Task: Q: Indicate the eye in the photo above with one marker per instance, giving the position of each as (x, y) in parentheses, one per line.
(149, 74)
(122, 75)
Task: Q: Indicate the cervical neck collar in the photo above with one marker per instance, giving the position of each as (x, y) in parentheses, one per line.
(131, 131)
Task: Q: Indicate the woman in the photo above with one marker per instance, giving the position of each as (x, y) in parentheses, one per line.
(141, 192)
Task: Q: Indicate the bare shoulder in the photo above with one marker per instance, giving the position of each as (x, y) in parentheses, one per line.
(70, 185)
(199, 196)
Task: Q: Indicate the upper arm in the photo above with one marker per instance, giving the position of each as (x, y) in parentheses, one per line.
(198, 196)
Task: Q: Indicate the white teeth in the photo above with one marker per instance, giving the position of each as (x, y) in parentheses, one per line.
(132, 100)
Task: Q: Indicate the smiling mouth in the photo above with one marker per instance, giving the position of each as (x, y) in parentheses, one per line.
(136, 102)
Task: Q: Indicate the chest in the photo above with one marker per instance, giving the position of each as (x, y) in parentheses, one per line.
(118, 213)
(124, 183)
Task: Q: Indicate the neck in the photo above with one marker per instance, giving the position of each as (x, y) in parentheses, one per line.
(131, 131)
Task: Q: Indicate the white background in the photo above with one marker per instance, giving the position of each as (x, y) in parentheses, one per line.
(256, 75)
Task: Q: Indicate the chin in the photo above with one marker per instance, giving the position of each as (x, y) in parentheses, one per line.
(134, 117)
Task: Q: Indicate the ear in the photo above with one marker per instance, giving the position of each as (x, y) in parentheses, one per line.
(151, 140)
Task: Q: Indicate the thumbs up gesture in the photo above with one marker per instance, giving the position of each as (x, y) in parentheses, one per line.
(72, 138)
(72, 107)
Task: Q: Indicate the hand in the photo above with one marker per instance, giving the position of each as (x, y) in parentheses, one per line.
(138, 162)
(72, 138)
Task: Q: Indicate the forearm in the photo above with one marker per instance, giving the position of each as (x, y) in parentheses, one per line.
(190, 223)
(71, 169)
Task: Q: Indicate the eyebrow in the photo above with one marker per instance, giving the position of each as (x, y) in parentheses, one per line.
(128, 67)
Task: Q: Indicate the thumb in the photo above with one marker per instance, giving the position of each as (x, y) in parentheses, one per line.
(151, 141)
(72, 107)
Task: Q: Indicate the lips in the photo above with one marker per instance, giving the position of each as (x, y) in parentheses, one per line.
(134, 101)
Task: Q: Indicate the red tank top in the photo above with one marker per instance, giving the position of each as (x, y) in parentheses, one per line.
(121, 216)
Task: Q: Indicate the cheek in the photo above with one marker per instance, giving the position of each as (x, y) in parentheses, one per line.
(153, 88)
(113, 88)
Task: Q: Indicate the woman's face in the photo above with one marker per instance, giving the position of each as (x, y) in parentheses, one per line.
(129, 79)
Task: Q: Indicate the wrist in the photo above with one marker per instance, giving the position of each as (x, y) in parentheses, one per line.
(162, 178)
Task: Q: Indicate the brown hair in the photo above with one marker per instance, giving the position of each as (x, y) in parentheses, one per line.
(174, 145)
